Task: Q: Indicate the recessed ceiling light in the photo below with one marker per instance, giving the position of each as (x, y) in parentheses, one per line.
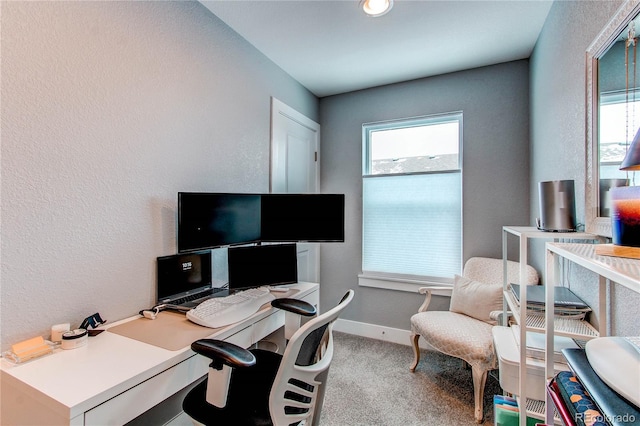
(376, 8)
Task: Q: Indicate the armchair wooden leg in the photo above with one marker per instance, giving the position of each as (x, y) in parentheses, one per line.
(479, 380)
(416, 351)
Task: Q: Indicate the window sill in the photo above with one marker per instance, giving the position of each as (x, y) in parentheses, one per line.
(410, 285)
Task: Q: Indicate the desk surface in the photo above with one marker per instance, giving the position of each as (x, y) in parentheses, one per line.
(77, 380)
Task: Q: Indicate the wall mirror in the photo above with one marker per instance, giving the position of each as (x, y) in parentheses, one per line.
(613, 111)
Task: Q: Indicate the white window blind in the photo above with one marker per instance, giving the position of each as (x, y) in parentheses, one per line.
(412, 197)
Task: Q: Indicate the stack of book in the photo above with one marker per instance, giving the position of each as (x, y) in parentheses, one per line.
(581, 397)
(566, 303)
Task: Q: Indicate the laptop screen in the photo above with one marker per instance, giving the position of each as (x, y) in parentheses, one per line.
(183, 274)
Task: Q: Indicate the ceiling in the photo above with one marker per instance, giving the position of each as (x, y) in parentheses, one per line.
(332, 47)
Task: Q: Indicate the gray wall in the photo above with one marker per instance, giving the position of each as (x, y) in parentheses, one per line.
(558, 129)
(108, 110)
(495, 103)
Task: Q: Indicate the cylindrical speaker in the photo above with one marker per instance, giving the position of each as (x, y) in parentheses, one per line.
(557, 206)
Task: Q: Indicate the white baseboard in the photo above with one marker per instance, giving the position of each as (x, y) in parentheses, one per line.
(387, 334)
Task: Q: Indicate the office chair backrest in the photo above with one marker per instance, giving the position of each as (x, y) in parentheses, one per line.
(298, 388)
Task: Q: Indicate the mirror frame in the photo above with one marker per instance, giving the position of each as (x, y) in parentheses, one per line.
(595, 224)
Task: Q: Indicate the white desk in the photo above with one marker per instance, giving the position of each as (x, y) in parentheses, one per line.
(113, 379)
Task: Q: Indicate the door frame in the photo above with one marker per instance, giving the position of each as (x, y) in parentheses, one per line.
(280, 108)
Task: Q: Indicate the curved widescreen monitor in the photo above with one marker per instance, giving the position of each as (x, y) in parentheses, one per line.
(209, 220)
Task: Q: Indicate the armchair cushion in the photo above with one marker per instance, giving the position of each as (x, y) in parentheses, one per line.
(457, 335)
(475, 299)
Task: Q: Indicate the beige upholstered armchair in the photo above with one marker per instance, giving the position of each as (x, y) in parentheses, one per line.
(465, 330)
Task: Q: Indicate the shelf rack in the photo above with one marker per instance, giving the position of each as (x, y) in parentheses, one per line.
(622, 271)
(524, 234)
(577, 329)
(536, 409)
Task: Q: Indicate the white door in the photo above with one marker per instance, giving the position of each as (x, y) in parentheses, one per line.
(295, 143)
(294, 150)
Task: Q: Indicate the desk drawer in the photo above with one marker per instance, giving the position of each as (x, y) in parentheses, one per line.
(267, 325)
(128, 405)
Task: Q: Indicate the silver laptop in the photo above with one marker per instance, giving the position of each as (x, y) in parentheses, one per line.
(562, 296)
(185, 280)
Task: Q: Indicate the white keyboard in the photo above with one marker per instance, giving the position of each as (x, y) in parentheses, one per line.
(220, 311)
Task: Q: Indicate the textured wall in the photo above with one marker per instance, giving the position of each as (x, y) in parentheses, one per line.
(108, 110)
(495, 102)
(558, 131)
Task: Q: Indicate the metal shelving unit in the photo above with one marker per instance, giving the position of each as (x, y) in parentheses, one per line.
(574, 328)
(622, 271)
(524, 234)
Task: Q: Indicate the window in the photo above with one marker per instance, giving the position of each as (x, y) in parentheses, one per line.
(412, 199)
(619, 119)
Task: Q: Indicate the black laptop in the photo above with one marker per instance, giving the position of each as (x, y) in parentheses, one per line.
(185, 280)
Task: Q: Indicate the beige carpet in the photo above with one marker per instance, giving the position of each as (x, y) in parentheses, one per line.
(370, 384)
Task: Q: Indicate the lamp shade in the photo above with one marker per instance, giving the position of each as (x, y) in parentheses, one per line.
(632, 159)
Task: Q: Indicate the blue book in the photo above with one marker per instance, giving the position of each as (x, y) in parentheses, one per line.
(579, 403)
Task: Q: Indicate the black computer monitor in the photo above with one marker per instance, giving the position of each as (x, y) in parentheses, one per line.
(209, 220)
(302, 218)
(259, 265)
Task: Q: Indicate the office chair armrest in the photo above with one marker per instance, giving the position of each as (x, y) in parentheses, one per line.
(427, 292)
(296, 306)
(294, 310)
(224, 357)
(221, 352)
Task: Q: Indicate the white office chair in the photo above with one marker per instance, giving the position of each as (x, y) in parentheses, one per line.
(465, 330)
(260, 387)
